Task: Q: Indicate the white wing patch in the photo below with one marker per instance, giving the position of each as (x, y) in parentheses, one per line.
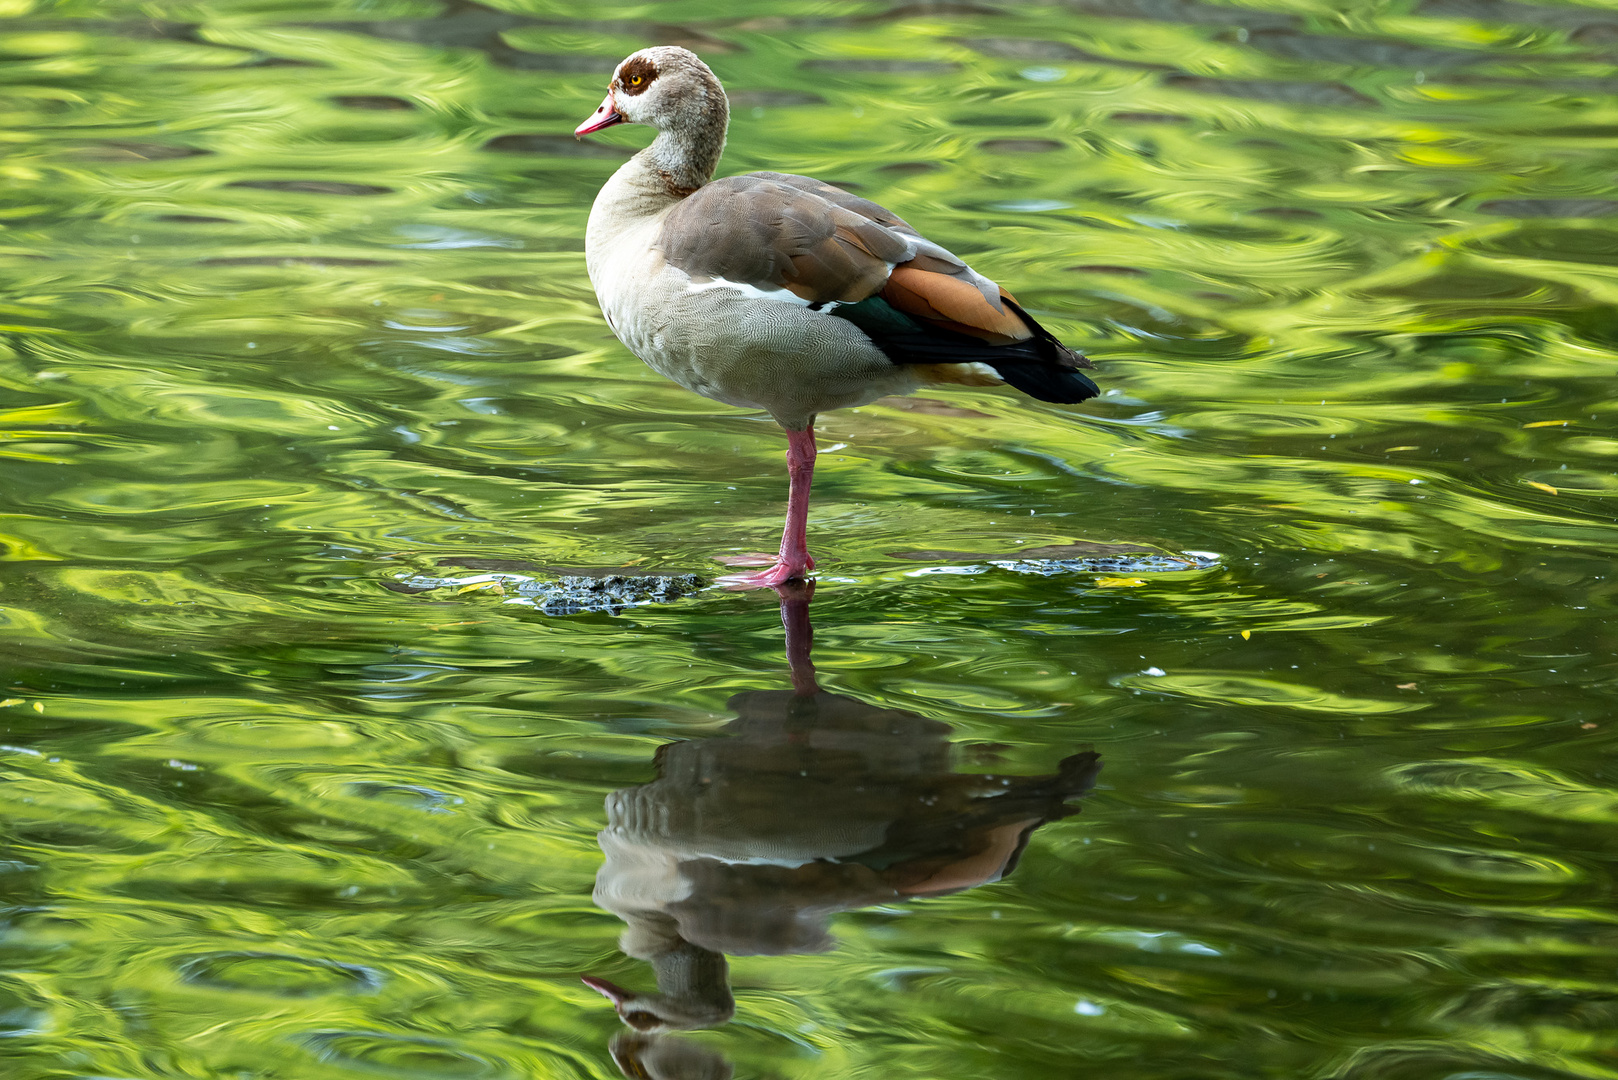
(751, 292)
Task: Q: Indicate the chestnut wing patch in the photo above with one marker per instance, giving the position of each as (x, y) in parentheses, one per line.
(955, 303)
(755, 230)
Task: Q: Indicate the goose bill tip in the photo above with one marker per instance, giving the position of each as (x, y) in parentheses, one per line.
(605, 116)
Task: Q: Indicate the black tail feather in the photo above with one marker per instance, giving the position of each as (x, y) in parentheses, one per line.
(1040, 367)
(1046, 381)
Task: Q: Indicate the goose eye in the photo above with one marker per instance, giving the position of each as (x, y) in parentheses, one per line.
(636, 80)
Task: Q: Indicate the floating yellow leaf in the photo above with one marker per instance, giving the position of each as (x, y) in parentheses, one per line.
(11, 701)
(39, 706)
(1119, 582)
(1542, 487)
(478, 585)
(1548, 423)
(1247, 635)
(1395, 449)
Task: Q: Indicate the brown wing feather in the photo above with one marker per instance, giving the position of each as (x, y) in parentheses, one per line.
(865, 208)
(758, 231)
(848, 265)
(954, 303)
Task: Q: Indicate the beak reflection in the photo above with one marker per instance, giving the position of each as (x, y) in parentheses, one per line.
(810, 803)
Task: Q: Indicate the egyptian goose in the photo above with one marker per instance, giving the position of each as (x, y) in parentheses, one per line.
(779, 292)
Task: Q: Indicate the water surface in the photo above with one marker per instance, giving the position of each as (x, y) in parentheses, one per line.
(296, 321)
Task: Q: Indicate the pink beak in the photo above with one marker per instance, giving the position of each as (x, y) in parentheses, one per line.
(612, 992)
(606, 116)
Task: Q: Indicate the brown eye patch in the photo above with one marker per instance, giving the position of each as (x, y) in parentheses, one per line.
(637, 75)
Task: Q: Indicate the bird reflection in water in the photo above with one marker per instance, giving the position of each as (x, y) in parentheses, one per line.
(815, 803)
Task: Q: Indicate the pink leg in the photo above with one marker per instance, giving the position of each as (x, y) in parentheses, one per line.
(793, 562)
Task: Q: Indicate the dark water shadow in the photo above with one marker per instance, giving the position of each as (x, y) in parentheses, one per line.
(810, 804)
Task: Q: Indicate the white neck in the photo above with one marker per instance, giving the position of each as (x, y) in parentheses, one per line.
(634, 196)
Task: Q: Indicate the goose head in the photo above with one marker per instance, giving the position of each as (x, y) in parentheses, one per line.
(665, 87)
(655, 1014)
